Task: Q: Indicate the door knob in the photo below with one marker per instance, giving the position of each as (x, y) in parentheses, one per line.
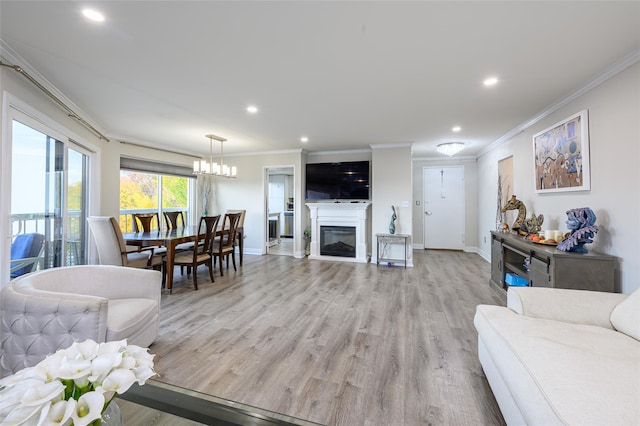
(428, 213)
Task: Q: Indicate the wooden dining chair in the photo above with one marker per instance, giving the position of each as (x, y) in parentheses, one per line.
(172, 220)
(224, 245)
(143, 222)
(240, 235)
(201, 253)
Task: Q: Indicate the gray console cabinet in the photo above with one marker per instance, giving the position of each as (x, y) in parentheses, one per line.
(548, 267)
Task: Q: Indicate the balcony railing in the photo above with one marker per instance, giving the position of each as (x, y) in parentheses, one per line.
(73, 251)
(54, 253)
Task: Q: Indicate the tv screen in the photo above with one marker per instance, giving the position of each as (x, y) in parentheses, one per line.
(338, 181)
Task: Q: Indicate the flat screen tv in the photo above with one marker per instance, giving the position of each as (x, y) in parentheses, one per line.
(338, 181)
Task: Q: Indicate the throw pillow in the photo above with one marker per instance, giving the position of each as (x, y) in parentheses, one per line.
(626, 316)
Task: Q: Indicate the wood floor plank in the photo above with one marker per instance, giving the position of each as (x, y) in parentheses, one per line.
(333, 342)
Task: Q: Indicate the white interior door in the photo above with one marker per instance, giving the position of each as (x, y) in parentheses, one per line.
(443, 207)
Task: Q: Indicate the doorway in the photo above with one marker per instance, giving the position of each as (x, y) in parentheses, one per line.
(443, 207)
(280, 212)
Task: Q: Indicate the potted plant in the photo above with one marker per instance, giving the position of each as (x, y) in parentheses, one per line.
(307, 240)
(75, 386)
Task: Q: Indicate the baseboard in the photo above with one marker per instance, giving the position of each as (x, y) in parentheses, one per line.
(486, 256)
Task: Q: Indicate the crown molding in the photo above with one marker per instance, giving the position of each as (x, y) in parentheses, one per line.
(392, 145)
(13, 58)
(613, 70)
(346, 151)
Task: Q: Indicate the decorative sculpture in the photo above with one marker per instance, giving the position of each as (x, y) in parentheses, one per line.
(533, 225)
(581, 224)
(515, 204)
(392, 223)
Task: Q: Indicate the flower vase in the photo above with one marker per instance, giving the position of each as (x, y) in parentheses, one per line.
(111, 415)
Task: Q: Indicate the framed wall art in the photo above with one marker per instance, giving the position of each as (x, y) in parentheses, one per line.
(561, 156)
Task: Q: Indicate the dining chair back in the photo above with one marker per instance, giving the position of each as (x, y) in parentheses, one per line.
(143, 222)
(224, 246)
(111, 247)
(201, 253)
(173, 219)
(25, 253)
(240, 234)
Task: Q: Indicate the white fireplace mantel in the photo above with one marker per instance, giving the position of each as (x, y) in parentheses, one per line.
(341, 214)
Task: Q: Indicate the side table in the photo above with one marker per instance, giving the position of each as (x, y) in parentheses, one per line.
(391, 239)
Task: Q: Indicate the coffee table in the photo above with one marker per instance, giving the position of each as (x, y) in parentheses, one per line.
(158, 403)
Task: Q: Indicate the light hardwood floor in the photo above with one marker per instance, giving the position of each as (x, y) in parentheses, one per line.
(335, 343)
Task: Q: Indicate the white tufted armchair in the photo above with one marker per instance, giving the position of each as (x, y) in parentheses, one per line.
(48, 310)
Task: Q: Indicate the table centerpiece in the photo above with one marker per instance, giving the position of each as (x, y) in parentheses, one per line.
(73, 386)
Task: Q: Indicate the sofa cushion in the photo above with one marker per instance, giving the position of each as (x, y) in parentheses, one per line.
(625, 317)
(561, 373)
(127, 317)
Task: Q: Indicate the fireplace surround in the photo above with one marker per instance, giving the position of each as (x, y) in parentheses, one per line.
(340, 231)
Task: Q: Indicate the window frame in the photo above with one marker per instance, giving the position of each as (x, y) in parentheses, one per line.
(160, 169)
(14, 108)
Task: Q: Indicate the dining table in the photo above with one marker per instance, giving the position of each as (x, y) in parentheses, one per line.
(169, 238)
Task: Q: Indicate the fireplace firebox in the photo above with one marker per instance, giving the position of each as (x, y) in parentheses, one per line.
(338, 241)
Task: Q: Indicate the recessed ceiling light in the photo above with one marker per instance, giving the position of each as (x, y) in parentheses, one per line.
(252, 109)
(304, 139)
(491, 81)
(94, 15)
(456, 128)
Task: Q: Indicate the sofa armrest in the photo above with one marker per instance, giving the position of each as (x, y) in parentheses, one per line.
(572, 306)
(108, 281)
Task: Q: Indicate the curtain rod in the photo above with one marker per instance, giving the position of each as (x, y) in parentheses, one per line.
(69, 111)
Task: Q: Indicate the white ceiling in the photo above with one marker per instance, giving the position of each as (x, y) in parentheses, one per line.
(345, 74)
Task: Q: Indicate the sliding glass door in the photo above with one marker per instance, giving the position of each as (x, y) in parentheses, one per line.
(49, 198)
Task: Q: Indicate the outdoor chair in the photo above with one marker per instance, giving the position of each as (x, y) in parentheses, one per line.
(25, 253)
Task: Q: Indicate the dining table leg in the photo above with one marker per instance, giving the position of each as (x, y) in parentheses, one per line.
(171, 247)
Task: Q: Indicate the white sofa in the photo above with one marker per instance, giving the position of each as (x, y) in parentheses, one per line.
(556, 356)
(50, 309)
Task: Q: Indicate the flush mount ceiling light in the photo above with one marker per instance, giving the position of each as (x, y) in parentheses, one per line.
(456, 128)
(204, 167)
(450, 148)
(491, 81)
(252, 109)
(93, 15)
(304, 139)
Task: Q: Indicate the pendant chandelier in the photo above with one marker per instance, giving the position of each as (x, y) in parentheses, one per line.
(204, 167)
(450, 148)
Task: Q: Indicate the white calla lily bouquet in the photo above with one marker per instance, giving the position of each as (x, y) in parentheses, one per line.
(73, 386)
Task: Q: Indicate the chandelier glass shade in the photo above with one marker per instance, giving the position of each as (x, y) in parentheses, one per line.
(450, 148)
(211, 168)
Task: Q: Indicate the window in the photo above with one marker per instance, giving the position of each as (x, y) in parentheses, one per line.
(49, 197)
(147, 187)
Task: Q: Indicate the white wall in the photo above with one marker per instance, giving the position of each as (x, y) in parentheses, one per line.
(249, 192)
(391, 185)
(614, 127)
(470, 199)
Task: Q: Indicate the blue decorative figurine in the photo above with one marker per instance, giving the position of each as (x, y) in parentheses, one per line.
(392, 224)
(581, 224)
